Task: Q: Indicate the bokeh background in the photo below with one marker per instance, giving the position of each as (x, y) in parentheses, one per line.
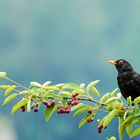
(64, 41)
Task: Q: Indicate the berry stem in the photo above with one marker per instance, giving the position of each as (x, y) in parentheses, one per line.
(88, 100)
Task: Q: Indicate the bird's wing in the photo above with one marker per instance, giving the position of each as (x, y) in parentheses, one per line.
(136, 77)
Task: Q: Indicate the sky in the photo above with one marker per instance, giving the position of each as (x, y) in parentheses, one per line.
(65, 41)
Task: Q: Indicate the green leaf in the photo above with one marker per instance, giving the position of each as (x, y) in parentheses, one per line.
(35, 84)
(52, 95)
(95, 91)
(64, 102)
(84, 120)
(135, 133)
(49, 111)
(65, 93)
(105, 97)
(9, 98)
(91, 88)
(137, 100)
(9, 90)
(82, 85)
(128, 119)
(101, 121)
(77, 106)
(92, 84)
(114, 92)
(29, 105)
(109, 107)
(19, 105)
(81, 110)
(119, 95)
(121, 128)
(129, 128)
(129, 100)
(110, 100)
(51, 88)
(35, 91)
(59, 85)
(70, 86)
(112, 138)
(24, 92)
(118, 105)
(5, 86)
(79, 91)
(125, 114)
(109, 117)
(136, 121)
(46, 83)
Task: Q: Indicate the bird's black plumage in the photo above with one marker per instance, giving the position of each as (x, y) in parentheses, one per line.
(128, 79)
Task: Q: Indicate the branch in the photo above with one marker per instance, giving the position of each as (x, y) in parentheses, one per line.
(66, 97)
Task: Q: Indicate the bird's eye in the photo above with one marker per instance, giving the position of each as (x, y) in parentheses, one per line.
(120, 62)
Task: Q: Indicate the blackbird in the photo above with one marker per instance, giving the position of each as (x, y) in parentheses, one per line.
(128, 79)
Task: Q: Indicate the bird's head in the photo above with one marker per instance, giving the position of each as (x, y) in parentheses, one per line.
(121, 65)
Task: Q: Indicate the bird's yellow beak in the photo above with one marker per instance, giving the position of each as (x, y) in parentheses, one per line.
(112, 62)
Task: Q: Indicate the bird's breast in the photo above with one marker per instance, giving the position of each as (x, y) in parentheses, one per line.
(128, 86)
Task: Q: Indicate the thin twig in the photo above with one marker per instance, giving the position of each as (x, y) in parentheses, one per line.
(88, 100)
(7, 78)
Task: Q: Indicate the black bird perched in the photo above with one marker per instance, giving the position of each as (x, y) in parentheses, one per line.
(128, 79)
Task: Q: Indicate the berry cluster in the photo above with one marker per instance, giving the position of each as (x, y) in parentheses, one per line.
(49, 104)
(23, 108)
(62, 111)
(74, 99)
(89, 120)
(72, 102)
(35, 106)
(100, 127)
(89, 111)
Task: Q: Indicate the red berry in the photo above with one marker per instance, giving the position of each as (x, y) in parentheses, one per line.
(32, 106)
(23, 107)
(74, 99)
(66, 107)
(100, 128)
(48, 105)
(36, 110)
(67, 111)
(37, 104)
(74, 95)
(89, 111)
(58, 112)
(44, 103)
(60, 106)
(76, 102)
(52, 103)
(99, 131)
(89, 120)
(61, 111)
(73, 103)
(23, 110)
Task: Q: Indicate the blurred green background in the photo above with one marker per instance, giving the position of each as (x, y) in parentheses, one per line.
(64, 41)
